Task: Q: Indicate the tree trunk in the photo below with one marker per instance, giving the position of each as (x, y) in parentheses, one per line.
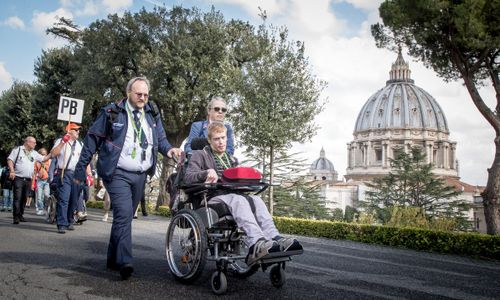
(163, 196)
(491, 193)
(271, 181)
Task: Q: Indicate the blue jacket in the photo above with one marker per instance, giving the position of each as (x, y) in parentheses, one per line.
(107, 136)
(200, 129)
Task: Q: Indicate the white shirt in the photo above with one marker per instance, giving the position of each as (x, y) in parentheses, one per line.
(62, 158)
(25, 164)
(126, 160)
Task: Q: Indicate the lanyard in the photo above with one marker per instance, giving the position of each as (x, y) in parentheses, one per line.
(137, 130)
(28, 154)
(226, 164)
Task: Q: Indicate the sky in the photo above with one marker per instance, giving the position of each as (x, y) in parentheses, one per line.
(339, 46)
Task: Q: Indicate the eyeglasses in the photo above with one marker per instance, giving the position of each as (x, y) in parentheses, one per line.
(146, 96)
(219, 109)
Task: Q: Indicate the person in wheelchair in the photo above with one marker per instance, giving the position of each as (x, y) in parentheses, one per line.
(206, 166)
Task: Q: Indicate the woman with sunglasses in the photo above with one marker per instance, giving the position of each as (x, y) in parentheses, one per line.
(216, 112)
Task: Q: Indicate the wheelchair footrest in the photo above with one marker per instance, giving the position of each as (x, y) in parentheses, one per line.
(277, 257)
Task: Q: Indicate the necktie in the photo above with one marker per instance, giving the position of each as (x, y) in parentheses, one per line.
(138, 126)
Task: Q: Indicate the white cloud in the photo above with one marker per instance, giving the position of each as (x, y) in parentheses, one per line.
(116, 6)
(43, 20)
(5, 77)
(364, 4)
(68, 2)
(272, 7)
(90, 8)
(14, 22)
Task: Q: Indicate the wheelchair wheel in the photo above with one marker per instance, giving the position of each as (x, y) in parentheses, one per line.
(277, 276)
(186, 246)
(50, 217)
(219, 283)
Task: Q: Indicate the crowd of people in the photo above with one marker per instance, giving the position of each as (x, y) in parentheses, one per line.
(127, 136)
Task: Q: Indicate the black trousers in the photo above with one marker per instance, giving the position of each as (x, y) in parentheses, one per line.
(21, 188)
(143, 206)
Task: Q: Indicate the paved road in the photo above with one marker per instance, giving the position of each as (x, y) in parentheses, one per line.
(38, 263)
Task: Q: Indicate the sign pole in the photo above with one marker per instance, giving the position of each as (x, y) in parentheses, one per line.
(65, 153)
(68, 108)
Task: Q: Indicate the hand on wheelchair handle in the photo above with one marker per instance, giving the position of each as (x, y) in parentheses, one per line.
(174, 153)
(211, 176)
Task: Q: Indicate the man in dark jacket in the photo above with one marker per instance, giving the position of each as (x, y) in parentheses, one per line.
(207, 166)
(128, 137)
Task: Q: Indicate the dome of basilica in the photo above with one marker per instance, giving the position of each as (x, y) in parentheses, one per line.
(401, 105)
(399, 117)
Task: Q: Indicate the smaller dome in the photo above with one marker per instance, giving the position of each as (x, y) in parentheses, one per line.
(322, 163)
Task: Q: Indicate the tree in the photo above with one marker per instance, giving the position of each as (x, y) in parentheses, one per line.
(457, 39)
(16, 115)
(279, 99)
(301, 200)
(412, 184)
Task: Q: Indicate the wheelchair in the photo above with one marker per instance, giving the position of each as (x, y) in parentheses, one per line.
(200, 231)
(51, 204)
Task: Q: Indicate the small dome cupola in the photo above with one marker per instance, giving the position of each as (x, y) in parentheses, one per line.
(322, 168)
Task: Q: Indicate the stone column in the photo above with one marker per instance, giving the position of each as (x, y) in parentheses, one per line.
(384, 154)
(428, 151)
(446, 149)
(368, 151)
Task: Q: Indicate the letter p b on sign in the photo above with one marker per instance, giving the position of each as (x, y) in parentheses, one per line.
(70, 109)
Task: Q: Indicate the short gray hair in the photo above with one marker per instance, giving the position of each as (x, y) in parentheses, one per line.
(216, 98)
(133, 80)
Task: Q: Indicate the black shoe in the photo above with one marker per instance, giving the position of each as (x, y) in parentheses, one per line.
(71, 227)
(126, 271)
(22, 219)
(145, 214)
(16, 221)
(61, 229)
(112, 266)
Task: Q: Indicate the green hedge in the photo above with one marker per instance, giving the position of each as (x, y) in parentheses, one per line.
(162, 210)
(471, 244)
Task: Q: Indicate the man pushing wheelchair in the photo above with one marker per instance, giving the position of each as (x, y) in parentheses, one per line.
(249, 212)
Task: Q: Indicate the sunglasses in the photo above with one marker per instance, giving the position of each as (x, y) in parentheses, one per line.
(220, 109)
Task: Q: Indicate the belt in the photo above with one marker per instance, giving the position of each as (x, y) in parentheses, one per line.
(133, 172)
(23, 178)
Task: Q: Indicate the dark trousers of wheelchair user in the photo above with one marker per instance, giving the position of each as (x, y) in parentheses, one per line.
(125, 191)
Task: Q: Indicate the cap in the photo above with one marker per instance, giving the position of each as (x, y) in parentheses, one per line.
(72, 126)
